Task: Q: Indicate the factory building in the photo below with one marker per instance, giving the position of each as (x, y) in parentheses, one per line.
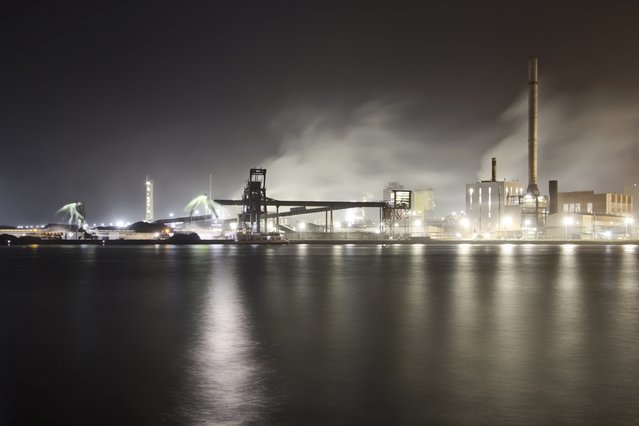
(421, 210)
(588, 202)
(585, 215)
(423, 204)
(422, 200)
(493, 207)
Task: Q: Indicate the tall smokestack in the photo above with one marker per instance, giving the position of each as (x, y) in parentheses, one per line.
(494, 170)
(533, 82)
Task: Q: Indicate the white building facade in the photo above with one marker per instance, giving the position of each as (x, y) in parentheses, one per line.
(492, 207)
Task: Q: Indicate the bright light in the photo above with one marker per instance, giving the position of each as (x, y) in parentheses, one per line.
(302, 226)
(350, 215)
(568, 221)
(338, 225)
(119, 223)
(197, 212)
(170, 214)
(465, 223)
(75, 212)
(629, 221)
(507, 221)
(418, 222)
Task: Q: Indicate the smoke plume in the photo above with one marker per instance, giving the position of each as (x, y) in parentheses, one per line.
(587, 142)
(333, 156)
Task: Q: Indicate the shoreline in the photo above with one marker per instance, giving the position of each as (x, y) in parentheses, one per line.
(433, 242)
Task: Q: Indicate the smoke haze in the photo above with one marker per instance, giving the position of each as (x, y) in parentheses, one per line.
(586, 142)
(332, 157)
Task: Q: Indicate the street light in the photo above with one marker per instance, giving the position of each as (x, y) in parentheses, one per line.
(302, 226)
(628, 221)
(465, 224)
(506, 222)
(567, 222)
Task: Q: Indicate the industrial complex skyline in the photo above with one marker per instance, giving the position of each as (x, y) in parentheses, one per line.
(336, 99)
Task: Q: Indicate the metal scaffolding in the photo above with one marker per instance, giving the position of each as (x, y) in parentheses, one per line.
(253, 202)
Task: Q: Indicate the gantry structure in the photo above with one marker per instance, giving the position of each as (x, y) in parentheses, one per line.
(255, 206)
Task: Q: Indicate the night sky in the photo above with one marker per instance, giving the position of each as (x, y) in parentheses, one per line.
(334, 98)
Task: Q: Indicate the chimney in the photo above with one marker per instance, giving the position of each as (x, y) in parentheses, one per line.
(494, 170)
(553, 191)
(533, 189)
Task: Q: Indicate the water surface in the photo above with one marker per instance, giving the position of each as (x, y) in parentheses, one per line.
(305, 334)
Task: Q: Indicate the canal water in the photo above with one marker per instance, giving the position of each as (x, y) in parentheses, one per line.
(320, 334)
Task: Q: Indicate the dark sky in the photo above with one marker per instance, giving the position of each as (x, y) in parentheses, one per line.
(334, 98)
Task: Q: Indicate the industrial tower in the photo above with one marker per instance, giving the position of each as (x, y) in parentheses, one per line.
(148, 217)
(254, 201)
(534, 206)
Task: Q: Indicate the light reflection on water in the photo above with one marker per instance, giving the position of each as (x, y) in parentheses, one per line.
(466, 334)
(225, 373)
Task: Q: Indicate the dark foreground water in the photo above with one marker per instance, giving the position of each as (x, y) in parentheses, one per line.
(487, 334)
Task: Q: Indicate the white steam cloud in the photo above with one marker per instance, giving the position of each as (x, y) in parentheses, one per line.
(330, 157)
(587, 142)
(590, 142)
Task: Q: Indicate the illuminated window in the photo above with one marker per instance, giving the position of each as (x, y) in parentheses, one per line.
(589, 208)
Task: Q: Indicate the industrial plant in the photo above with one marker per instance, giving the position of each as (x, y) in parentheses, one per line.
(504, 210)
(495, 209)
